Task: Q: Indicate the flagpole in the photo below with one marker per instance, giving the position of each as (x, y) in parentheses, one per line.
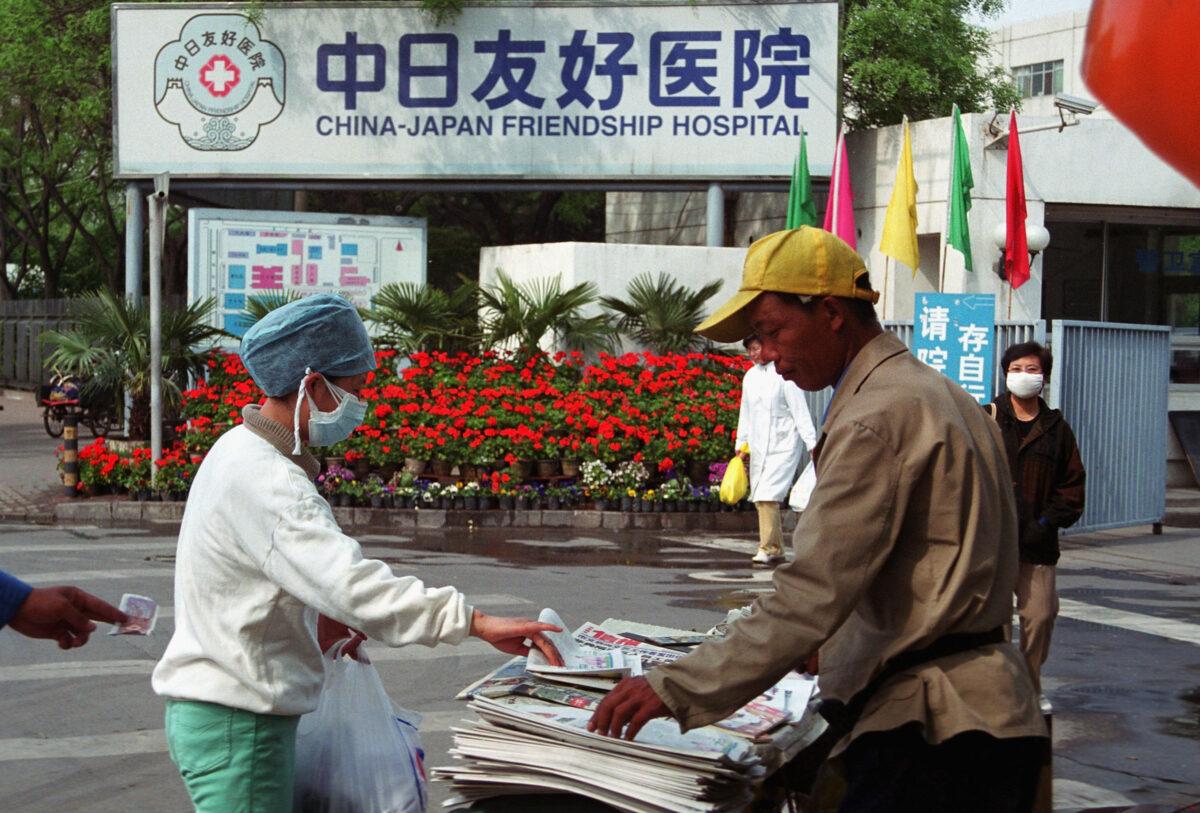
(942, 267)
(887, 266)
(837, 168)
(1010, 293)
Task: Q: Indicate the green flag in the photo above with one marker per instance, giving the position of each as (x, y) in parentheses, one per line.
(802, 209)
(961, 182)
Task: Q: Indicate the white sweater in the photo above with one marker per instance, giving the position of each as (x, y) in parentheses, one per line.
(259, 554)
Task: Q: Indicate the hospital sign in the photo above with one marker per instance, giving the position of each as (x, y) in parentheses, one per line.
(623, 91)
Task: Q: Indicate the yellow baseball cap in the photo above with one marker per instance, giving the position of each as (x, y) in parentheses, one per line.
(807, 261)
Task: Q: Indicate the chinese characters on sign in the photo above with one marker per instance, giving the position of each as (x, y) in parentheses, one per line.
(953, 334)
(657, 90)
(681, 73)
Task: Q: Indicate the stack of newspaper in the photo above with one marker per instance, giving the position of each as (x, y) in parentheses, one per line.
(533, 738)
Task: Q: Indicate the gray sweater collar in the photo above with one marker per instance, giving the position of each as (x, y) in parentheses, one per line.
(280, 437)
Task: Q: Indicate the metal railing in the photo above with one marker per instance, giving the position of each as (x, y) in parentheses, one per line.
(1111, 381)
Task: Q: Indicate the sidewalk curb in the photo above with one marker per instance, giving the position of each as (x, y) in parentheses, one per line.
(129, 513)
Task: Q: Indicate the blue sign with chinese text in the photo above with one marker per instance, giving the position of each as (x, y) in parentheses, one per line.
(953, 334)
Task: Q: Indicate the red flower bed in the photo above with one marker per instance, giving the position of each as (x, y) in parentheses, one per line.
(481, 409)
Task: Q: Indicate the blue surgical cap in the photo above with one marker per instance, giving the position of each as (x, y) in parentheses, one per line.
(323, 332)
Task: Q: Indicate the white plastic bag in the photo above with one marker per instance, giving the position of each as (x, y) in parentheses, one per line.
(803, 488)
(357, 753)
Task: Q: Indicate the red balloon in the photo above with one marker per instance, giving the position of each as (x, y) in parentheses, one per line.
(1140, 60)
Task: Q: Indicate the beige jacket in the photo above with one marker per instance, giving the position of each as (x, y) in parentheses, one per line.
(910, 535)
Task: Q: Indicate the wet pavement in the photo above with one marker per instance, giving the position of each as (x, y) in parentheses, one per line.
(83, 731)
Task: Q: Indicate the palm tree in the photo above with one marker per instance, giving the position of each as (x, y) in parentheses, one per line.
(662, 314)
(526, 313)
(259, 305)
(414, 317)
(109, 347)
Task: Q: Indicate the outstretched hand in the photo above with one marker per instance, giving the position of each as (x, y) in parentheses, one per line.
(629, 706)
(63, 614)
(510, 634)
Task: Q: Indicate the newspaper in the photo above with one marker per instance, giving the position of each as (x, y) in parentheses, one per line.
(497, 682)
(521, 748)
(593, 637)
(532, 735)
(580, 658)
(560, 695)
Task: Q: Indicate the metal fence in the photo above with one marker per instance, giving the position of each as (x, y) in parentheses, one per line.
(22, 354)
(1111, 380)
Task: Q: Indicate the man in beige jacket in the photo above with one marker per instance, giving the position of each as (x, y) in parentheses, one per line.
(905, 562)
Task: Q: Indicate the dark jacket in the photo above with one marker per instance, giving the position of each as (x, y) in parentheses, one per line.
(13, 593)
(1048, 476)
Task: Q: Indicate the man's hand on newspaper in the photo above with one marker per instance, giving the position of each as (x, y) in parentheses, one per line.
(510, 634)
(629, 706)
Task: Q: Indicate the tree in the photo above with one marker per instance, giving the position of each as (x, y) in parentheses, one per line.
(661, 314)
(524, 314)
(110, 348)
(60, 216)
(414, 317)
(917, 58)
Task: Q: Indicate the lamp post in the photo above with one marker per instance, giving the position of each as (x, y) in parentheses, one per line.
(1037, 238)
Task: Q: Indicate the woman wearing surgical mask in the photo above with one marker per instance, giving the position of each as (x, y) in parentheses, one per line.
(1048, 476)
(260, 555)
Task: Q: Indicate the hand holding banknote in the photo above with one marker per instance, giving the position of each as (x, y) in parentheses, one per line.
(64, 614)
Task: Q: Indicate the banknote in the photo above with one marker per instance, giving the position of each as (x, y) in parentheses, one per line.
(142, 612)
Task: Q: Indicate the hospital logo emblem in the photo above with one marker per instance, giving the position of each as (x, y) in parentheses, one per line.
(220, 82)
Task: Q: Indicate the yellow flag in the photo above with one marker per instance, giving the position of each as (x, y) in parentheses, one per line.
(900, 226)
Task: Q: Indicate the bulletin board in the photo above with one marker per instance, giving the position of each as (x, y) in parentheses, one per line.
(238, 254)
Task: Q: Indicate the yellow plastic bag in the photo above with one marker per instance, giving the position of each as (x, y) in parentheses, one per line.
(735, 485)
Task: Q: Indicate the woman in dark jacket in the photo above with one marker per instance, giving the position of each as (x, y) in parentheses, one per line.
(1048, 475)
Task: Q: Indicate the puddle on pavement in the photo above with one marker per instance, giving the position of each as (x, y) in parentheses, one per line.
(1185, 725)
(528, 548)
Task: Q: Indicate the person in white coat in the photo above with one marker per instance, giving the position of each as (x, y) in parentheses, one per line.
(260, 555)
(775, 423)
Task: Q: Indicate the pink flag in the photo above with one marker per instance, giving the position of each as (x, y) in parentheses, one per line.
(839, 211)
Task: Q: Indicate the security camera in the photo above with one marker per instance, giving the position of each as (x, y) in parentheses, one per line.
(1075, 104)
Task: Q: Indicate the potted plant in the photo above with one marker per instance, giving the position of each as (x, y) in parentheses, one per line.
(629, 500)
(597, 480)
(430, 496)
(329, 482)
(137, 475)
(555, 495)
(351, 492)
(671, 492)
(647, 500)
(404, 488)
(469, 493)
(547, 467)
(632, 474)
(374, 490)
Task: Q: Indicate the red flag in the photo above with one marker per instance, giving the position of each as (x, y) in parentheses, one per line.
(1016, 250)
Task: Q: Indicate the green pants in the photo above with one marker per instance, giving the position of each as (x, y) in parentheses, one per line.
(232, 761)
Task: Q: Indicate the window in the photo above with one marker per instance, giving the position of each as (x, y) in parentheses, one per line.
(1039, 79)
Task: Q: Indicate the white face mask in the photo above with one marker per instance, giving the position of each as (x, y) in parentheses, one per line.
(328, 428)
(1024, 385)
